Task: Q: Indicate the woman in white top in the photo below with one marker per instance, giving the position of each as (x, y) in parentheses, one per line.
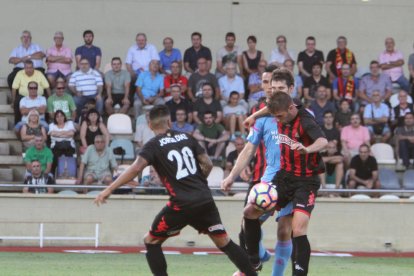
(234, 115)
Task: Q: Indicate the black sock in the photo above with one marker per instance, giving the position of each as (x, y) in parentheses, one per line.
(302, 255)
(252, 235)
(156, 259)
(292, 257)
(242, 240)
(239, 258)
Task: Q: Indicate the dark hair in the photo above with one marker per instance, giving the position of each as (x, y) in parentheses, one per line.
(252, 38)
(59, 112)
(116, 58)
(28, 62)
(279, 101)
(281, 36)
(159, 112)
(87, 32)
(311, 38)
(181, 109)
(317, 63)
(230, 34)
(374, 62)
(30, 82)
(364, 146)
(233, 93)
(408, 113)
(196, 34)
(208, 112)
(92, 111)
(342, 100)
(328, 112)
(270, 68)
(283, 74)
(209, 84)
(168, 38)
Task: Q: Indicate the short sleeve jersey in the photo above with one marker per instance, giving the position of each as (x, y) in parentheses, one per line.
(174, 157)
(363, 169)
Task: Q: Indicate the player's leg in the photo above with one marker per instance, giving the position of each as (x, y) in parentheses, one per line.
(252, 232)
(155, 256)
(283, 247)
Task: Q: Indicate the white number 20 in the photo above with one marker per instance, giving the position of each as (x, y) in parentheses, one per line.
(188, 157)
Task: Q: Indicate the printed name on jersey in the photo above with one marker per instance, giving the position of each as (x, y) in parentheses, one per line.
(284, 139)
(177, 138)
(275, 136)
(216, 227)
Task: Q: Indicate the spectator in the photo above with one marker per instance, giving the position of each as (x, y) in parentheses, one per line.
(153, 181)
(403, 107)
(207, 103)
(339, 56)
(321, 105)
(297, 91)
(175, 78)
(89, 52)
(92, 127)
(328, 127)
(255, 85)
(59, 60)
(375, 81)
(97, 164)
(32, 128)
(411, 71)
(343, 115)
(334, 163)
(143, 132)
(251, 57)
(404, 136)
(346, 87)
(180, 124)
(352, 137)
(199, 78)
(150, 88)
(139, 56)
(90, 104)
(391, 62)
(315, 80)
(194, 53)
(25, 52)
(308, 57)
(60, 100)
(211, 136)
(363, 170)
(234, 115)
(231, 82)
(117, 83)
(32, 102)
(38, 178)
(231, 158)
(20, 86)
(178, 102)
(281, 53)
(86, 84)
(229, 53)
(169, 55)
(376, 117)
(41, 153)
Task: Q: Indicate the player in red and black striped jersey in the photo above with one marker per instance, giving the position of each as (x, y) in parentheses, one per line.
(300, 139)
(183, 167)
(259, 160)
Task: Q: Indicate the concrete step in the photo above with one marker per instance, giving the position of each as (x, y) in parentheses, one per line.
(11, 160)
(4, 123)
(7, 135)
(4, 149)
(4, 97)
(6, 175)
(6, 109)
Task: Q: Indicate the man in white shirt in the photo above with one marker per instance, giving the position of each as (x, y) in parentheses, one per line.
(281, 53)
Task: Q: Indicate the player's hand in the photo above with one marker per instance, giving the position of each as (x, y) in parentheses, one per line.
(299, 147)
(227, 183)
(249, 121)
(101, 198)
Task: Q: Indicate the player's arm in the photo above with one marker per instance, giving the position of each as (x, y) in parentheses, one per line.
(250, 120)
(205, 164)
(132, 171)
(316, 146)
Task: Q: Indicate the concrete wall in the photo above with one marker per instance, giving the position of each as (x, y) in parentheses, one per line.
(116, 23)
(336, 224)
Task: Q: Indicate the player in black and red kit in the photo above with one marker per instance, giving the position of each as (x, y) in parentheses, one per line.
(183, 167)
(300, 140)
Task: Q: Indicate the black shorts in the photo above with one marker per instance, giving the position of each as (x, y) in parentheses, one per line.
(117, 99)
(301, 191)
(205, 219)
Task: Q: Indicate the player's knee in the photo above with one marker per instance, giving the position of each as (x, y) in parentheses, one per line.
(220, 240)
(250, 212)
(284, 232)
(148, 239)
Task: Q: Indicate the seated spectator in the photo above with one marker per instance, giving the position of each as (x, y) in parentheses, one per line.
(90, 104)
(60, 100)
(180, 124)
(86, 84)
(231, 82)
(211, 136)
(255, 85)
(314, 81)
(41, 153)
(252, 57)
(321, 104)
(169, 55)
(229, 53)
(234, 115)
(175, 78)
(308, 57)
(38, 178)
(281, 53)
(297, 91)
(375, 81)
(25, 52)
(404, 140)
(403, 107)
(199, 78)
(32, 102)
(62, 137)
(32, 128)
(92, 127)
(98, 164)
(143, 131)
(153, 181)
(150, 88)
(231, 158)
(352, 137)
(59, 60)
(194, 53)
(363, 170)
(343, 115)
(339, 56)
(20, 86)
(207, 103)
(346, 87)
(328, 127)
(117, 83)
(88, 51)
(376, 116)
(178, 102)
(334, 163)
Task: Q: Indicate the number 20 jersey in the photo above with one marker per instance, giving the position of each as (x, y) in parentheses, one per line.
(174, 156)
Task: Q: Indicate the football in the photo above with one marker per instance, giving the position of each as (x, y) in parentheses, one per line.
(263, 196)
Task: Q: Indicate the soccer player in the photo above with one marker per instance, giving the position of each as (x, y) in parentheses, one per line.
(301, 139)
(183, 167)
(265, 129)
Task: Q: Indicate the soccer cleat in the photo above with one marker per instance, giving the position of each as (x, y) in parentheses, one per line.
(266, 257)
(258, 266)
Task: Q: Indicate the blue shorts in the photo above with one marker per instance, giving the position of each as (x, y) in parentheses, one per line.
(285, 211)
